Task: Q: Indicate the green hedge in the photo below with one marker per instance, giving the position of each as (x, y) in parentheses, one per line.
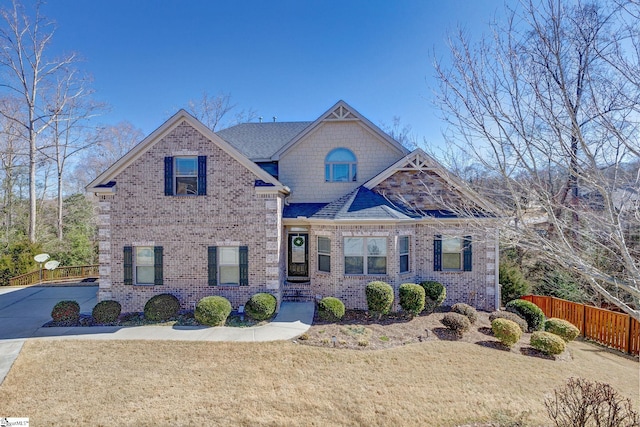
(509, 316)
(412, 298)
(212, 311)
(507, 331)
(261, 306)
(66, 312)
(565, 330)
(331, 309)
(547, 342)
(106, 311)
(379, 297)
(529, 312)
(435, 294)
(161, 307)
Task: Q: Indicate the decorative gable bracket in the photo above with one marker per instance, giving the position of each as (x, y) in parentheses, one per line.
(341, 113)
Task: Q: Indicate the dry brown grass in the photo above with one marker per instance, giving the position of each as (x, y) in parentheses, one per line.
(203, 383)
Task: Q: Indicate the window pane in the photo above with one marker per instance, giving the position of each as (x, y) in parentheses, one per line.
(229, 274)
(404, 263)
(186, 185)
(354, 172)
(377, 265)
(353, 265)
(353, 246)
(145, 275)
(451, 261)
(327, 172)
(404, 245)
(340, 172)
(324, 263)
(451, 245)
(324, 245)
(377, 246)
(341, 155)
(228, 256)
(144, 256)
(187, 166)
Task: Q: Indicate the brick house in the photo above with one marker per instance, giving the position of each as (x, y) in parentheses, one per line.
(300, 209)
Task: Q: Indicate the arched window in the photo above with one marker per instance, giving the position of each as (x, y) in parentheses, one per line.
(340, 166)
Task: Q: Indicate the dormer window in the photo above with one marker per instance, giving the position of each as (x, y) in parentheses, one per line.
(340, 166)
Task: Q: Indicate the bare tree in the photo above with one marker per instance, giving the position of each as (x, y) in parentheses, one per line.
(549, 106)
(214, 111)
(403, 133)
(28, 75)
(110, 143)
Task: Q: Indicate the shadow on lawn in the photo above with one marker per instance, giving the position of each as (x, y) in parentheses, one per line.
(495, 345)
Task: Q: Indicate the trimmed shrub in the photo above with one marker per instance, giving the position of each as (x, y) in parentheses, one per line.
(106, 311)
(330, 309)
(261, 306)
(412, 298)
(547, 342)
(66, 312)
(509, 316)
(379, 297)
(466, 310)
(529, 312)
(458, 323)
(161, 307)
(512, 283)
(565, 330)
(212, 311)
(507, 331)
(435, 294)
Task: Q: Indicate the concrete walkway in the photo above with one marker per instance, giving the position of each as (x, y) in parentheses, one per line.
(24, 310)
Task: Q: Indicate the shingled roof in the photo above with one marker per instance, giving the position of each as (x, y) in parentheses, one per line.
(260, 141)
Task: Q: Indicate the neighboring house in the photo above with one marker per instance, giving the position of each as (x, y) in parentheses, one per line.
(301, 210)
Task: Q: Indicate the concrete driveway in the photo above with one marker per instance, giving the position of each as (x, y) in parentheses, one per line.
(24, 311)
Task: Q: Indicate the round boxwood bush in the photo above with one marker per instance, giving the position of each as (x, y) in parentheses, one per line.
(66, 312)
(379, 297)
(458, 323)
(330, 309)
(466, 310)
(212, 311)
(161, 307)
(261, 306)
(435, 294)
(509, 316)
(106, 311)
(529, 312)
(547, 342)
(412, 298)
(562, 328)
(507, 331)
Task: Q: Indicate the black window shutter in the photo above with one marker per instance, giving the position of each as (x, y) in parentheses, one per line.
(466, 254)
(212, 255)
(128, 265)
(244, 266)
(202, 175)
(157, 264)
(437, 253)
(168, 176)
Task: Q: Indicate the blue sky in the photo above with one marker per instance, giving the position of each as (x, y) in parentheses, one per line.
(291, 59)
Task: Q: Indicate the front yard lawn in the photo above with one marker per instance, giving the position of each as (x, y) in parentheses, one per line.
(435, 383)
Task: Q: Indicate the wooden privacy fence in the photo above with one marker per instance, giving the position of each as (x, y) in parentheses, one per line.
(616, 330)
(58, 275)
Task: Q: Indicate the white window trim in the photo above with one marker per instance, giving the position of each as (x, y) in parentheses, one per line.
(460, 253)
(176, 175)
(407, 254)
(136, 264)
(323, 253)
(365, 257)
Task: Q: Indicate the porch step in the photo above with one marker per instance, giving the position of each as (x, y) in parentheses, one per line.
(297, 292)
